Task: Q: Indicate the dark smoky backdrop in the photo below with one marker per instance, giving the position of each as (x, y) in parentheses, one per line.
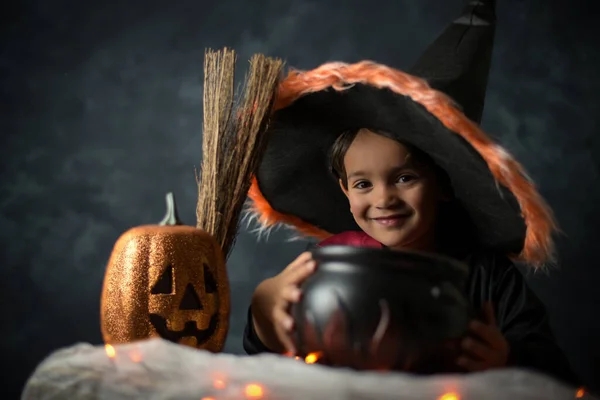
(101, 115)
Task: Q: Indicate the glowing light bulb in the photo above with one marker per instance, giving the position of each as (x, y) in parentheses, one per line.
(449, 396)
(110, 351)
(311, 358)
(254, 391)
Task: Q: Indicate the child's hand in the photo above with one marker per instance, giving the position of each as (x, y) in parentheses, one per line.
(271, 303)
(490, 351)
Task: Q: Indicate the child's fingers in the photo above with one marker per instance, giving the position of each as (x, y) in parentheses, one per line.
(291, 294)
(301, 272)
(487, 333)
(471, 364)
(284, 325)
(283, 319)
(476, 348)
(299, 261)
(288, 344)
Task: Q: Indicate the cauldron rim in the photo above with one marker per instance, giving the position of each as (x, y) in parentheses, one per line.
(349, 258)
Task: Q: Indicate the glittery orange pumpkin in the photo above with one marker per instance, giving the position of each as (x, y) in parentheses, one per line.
(166, 280)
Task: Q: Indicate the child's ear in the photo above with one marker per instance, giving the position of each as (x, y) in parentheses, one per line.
(343, 187)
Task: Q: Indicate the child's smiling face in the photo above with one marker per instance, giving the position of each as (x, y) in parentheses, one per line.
(393, 193)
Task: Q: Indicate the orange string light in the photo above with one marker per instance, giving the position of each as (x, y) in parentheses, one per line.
(219, 384)
(135, 356)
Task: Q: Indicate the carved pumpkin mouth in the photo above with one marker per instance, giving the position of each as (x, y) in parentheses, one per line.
(189, 330)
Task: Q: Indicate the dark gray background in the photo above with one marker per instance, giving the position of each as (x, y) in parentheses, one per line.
(101, 114)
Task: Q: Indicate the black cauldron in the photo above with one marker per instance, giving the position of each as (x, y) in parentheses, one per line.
(380, 309)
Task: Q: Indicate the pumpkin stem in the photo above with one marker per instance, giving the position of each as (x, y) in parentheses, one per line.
(171, 217)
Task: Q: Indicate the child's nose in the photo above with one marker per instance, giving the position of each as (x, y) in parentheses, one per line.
(386, 198)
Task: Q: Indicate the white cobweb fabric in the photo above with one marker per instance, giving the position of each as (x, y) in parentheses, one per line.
(157, 369)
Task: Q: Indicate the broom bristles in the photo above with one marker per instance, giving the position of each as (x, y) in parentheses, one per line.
(218, 105)
(233, 142)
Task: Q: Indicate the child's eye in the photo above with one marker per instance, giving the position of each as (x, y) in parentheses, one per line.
(361, 185)
(406, 178)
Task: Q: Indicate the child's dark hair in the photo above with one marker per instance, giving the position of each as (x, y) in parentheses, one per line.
(342, 144)
(338, 152)
(455, 230)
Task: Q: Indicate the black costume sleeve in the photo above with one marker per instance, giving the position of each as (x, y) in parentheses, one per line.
(252, 343)
(524, 323)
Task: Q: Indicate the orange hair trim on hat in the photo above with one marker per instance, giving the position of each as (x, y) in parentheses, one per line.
(538, 248)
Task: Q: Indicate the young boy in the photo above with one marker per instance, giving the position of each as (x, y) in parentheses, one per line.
(410, 170)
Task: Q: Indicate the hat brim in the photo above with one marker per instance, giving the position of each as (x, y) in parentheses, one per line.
(293, 186)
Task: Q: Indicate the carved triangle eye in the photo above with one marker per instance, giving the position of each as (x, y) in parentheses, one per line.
(164, 285)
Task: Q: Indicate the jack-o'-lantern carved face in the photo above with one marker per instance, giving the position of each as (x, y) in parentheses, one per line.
(183, 304)
(169, 281)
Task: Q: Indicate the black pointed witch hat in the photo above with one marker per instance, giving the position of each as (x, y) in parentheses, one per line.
(436, 108)
(458, 61)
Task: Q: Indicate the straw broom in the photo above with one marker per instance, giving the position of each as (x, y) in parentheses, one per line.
(234, 139)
